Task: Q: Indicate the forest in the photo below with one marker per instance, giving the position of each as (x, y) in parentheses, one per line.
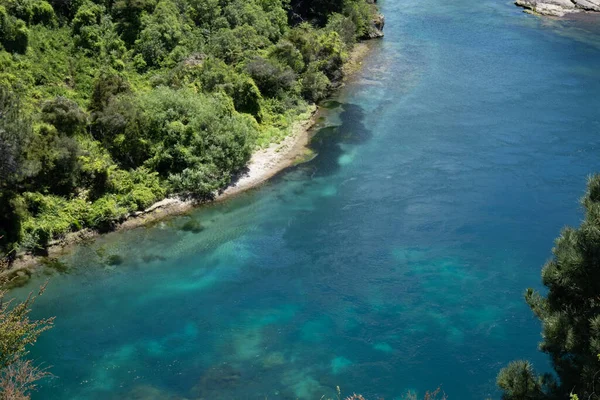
(110, 105)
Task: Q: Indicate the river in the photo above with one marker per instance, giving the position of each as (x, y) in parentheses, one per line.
(395, 260)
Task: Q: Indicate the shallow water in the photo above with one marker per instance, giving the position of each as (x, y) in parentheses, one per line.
(394, 260)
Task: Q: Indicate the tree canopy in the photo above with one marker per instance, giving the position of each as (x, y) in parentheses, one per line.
(570, 315)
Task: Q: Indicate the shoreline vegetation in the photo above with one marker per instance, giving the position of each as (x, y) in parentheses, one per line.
(281, 133)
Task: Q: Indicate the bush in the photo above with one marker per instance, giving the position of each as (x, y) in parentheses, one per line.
(65, 115)
(139, 188)
(344, 27)
(53, 160)
(201, 182)
(105, 213)
(107, 86)
(286, 53)
(33, 12)
(315, 85)
(272, 78)
(161, 32)
(14, 34)
(49, 217)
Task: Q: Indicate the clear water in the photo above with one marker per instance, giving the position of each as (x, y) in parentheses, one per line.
(395, 260)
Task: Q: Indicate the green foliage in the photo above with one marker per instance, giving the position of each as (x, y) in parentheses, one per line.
(107, 86)
(315, 84)
(128, 15)
(105, 213)
(14, 35)
(138, 188)
(124, 101)
(200, 182)
(17, 333)
(161, 32)
(15, 133)
(48, 217)
(570, 311)
(53, 159)
(286, 53)
(519, 381)
(65, 115)
(345, 27)
(272, 78)
(32, 12)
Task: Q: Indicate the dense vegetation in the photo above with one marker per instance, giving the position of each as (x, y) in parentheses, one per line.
(570, 316)
(109, 105)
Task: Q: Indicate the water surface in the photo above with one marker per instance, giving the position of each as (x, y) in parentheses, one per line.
(395, 260)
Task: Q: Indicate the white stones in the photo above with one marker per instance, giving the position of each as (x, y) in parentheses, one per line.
(559, 8)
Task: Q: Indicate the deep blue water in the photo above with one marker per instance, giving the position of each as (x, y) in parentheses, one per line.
(395, 260)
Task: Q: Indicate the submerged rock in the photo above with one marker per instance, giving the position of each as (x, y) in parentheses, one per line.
(559, 8)
(192, 226)
(114, 259)
(217, 381)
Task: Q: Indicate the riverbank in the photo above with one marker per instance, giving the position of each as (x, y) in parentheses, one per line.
(264, 164)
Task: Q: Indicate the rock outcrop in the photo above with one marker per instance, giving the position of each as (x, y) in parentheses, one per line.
(559, 8)
(376, 28)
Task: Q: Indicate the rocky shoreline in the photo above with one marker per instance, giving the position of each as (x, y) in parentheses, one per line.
(559, 8)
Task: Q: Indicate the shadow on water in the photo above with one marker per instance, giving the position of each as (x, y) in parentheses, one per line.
(328, 140)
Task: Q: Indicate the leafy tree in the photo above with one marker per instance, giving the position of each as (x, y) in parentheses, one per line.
(315, 85)
(54, 159)
(66, 9)
(15, 133)
(272, 78)
(32, 12)
(161, 32)
(206, 13)
(570, 311)
(128, 15)
(215, 75)
(106, 87)
(286, 53)
(65, 115)
(345, 27)
(14, 34)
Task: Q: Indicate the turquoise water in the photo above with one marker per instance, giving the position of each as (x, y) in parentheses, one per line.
(395, 260)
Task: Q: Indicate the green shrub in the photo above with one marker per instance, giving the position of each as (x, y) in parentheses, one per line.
(14, 34)
(105, 212)
(315, 85)
(201, 182)
(49, 217)
(272, 78)
(65, 115)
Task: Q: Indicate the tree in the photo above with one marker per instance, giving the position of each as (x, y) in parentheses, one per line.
(520, 382)
(570, 311)
(15, 133)
(17, 333)
(14, 34)
(65, 115)
(161, 32)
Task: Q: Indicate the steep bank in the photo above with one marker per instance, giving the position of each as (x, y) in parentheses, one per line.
(558, 8)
